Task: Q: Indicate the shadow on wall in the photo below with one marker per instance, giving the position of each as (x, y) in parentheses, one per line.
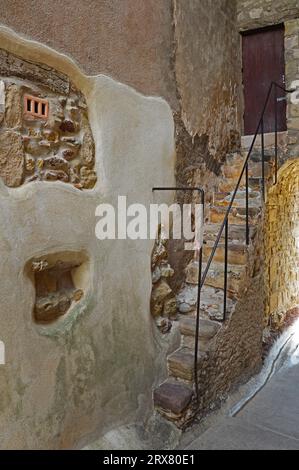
(282, 244)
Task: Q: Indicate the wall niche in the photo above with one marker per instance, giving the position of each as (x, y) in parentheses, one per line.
(60, 281)
(44, 129)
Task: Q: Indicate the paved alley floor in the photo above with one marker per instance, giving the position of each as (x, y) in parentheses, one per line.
(270, 420)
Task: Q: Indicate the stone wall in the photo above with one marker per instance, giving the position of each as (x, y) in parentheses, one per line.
(252, 14)
(207, 68)
(281, 244)
(281, 271)
(44, 130)
(292, 77)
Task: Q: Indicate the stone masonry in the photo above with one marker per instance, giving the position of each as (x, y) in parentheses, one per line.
(55, 147)
(281, 245)
(292, 79)
(253, 14)
(281, 254)
(228, 351)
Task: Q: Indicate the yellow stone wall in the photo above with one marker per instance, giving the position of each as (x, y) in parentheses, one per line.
(282, 244)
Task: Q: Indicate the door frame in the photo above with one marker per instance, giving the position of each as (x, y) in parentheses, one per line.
(248, 32)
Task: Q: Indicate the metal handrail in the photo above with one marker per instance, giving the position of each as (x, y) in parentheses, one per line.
(245, 169)
(225, 222)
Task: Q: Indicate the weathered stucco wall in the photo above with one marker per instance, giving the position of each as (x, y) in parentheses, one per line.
(183, 50)
(92, 369)
(208, 76)
(208, 73)
(130, 40)
(187, 52)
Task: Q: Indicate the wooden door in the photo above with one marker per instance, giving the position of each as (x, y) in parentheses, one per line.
(263, 62)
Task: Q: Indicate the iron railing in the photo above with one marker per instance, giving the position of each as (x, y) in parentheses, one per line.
(225, 223)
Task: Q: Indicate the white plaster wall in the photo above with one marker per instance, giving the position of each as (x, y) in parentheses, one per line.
(65, 384)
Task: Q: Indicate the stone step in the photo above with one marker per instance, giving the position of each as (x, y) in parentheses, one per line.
(189, 342)
(215, 276)
(236, 232)
(237, 215)
(254, 170)
(224, 199)
(237, 253)
(207, 328)
(240, 194)
(235, 276)
(181, 364)
(211, 302)
(229, 184)
(256, 155)
(173, 397)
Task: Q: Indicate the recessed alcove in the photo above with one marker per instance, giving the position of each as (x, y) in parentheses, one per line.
(60, 281)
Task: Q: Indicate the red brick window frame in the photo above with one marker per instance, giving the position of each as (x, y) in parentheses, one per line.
(36, 107)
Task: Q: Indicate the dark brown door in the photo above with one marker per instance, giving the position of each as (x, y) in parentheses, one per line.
(263, 62)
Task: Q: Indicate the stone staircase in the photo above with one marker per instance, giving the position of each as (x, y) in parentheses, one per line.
(174, 398)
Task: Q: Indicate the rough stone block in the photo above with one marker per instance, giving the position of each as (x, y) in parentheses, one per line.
(174, 397)
(13, 107)
(2, 100)
(181, 364)
(11, 158)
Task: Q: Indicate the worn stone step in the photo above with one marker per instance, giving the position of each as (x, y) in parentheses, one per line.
(173, 397)
(235, 277)
(240, 194)
(224, 199)
(207, 328)
(211, 301)
(181, 364)
(236, 232)
(189, 342)
(237, 215)
(229, 184)
(234, 164)
(237, 253)
(256, 155)
(215, 276)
